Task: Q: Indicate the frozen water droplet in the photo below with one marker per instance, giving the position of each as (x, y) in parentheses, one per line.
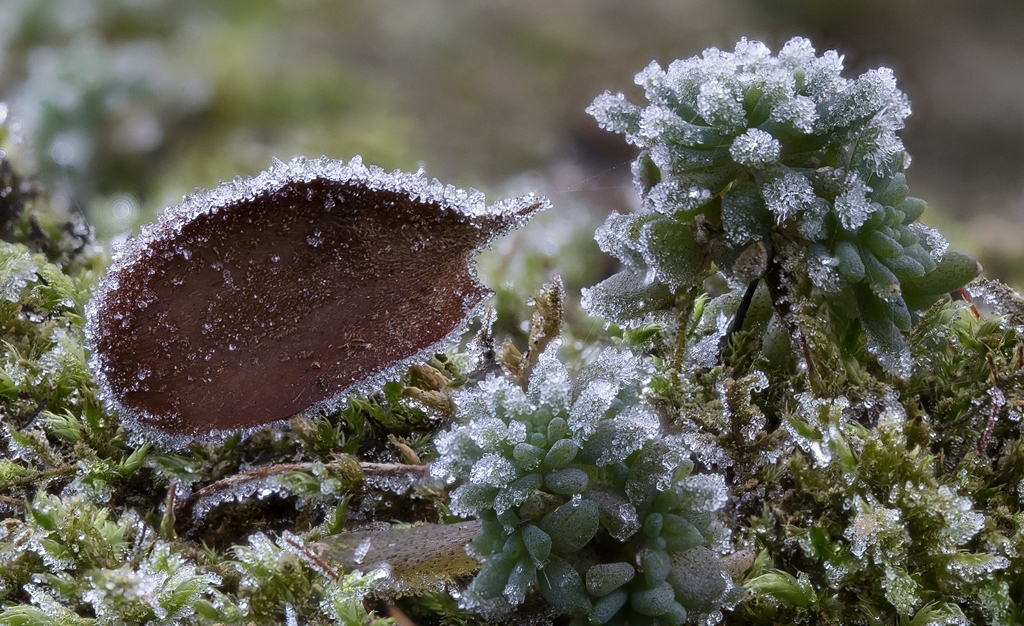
(361, 550)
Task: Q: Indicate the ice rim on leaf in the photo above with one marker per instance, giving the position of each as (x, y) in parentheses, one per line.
(754, 163)
(282, 294)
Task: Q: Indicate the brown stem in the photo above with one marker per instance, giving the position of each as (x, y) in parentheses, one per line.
(242, 479)
(996, 405)
(776, 279)
(31, 478)
(9, 501)
(312, 556)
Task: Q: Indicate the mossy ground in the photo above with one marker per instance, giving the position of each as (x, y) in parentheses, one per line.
(863, 497)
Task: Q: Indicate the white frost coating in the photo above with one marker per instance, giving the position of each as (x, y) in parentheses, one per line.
(550, 383)
(609, 237)
(821, 74)
(416, 186)
(616, 365)
(633, 428)
(349, 590)
(899, 364)
(493, 469)
(488, 432)
(704, 352)
(159, 576)
(478, 451)
(876, 532)
(788, 195)
(800, 111)
(261, 488)
(934, 242)
(824, 416)
(657, 122)
(721, 107)
(671, 196)
(17, 269)
(629, 522)
(705, 492)
(755, 149)
(822, 272)
(590, 408)
(873, 94)
(361, 551)
(852, 205)
(705, 446)
(959, 521)
(456, 453)
(799, 88)
(754, 419)
(614, 113)
(512, 496)
(891, 419)
(53, 609)
(881, 146)
(901, 590)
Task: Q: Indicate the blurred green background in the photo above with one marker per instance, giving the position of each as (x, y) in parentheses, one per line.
(129, 104)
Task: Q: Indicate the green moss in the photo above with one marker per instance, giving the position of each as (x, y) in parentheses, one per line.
(830, 411)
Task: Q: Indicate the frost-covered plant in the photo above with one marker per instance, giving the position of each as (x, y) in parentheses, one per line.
(753, 162)
(871, 495)
(874, 495)
(583, 497)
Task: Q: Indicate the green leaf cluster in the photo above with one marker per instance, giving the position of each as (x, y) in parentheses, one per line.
(583, 499)
(869, 428)
(745, 154)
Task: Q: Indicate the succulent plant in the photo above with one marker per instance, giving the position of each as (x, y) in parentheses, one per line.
(583, 498)
(749, 160)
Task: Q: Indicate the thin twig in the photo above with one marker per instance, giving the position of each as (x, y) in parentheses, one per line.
(31, 478)
(323, 567)
(12, 501)
(399, 615)
(381, 470)
(963, 294)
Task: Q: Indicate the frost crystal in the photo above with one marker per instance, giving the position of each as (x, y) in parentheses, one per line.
(788, 196)
(614, 113)
(707, 491)
(16, 270)
(852, 205)
(800, 112)
(493, 469)
(936, 244)
(592, 456)
(877, 532)
(755, 149)
(720, 107)
(818, 426)
(705, 352)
